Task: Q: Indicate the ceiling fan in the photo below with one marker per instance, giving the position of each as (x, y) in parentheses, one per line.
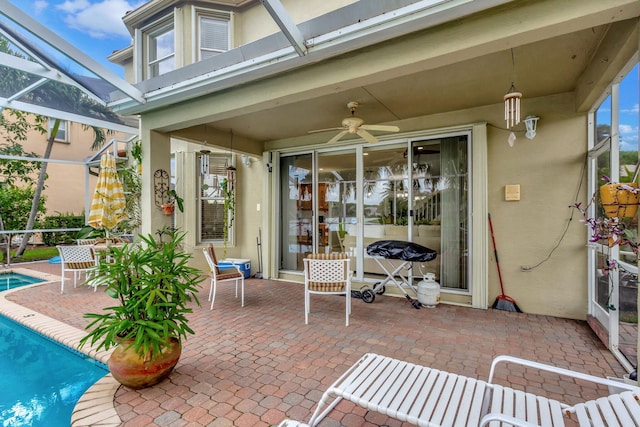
(355, 124)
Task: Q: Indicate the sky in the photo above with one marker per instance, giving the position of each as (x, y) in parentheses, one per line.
(629, 93)
(93, 26)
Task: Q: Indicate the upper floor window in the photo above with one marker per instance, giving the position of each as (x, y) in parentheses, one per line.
(161, 50)
(61, 135)
(213, 35)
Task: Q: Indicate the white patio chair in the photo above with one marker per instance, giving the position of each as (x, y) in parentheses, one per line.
(327, 274)
(77, 259)
(221, 276)
(429, 397)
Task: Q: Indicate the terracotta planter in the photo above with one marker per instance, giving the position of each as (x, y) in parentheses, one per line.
(133, 371)
(167, 208)
(619, 202)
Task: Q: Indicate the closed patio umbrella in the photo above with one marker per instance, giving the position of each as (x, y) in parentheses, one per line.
(108, 202)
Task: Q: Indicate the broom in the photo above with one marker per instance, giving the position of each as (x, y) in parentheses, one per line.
(502, 302)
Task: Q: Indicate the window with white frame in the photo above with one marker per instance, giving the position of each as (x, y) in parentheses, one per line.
(213, 34)
(160, 41)
(61, 135)
(213, 178)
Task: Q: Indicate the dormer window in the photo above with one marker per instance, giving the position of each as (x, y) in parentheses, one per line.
(213, 34)
(161, 50)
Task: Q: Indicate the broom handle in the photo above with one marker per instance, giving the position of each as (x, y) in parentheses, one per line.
(495, 252)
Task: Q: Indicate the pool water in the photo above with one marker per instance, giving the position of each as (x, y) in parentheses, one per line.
(11, 280)
(41, 380)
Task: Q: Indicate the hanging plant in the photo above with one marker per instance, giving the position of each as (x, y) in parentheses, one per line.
(229, 210)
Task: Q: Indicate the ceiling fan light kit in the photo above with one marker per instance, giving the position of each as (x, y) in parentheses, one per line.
(355, 125)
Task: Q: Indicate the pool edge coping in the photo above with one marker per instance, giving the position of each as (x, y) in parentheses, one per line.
(96, 406)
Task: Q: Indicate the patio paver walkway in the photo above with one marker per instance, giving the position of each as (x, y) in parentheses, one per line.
(257, 365)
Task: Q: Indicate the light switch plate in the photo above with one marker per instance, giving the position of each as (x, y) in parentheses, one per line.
(512, 192)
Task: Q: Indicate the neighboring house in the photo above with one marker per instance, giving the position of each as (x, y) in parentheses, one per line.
(246, 79)
(71, 176)
(67, 182)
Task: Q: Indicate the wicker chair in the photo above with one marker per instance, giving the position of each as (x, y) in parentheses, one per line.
(327, 274)
(75, 258)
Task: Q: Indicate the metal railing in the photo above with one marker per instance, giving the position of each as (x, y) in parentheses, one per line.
(7, 242)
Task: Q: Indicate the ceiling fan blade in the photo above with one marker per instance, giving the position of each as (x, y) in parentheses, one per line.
(337, 137)
(384, 128)
(324, 130)
(366, 135)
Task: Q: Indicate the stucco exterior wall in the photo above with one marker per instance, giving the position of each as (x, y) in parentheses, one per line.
(65, 186)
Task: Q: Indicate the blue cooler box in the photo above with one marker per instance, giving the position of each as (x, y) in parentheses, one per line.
(244, 264)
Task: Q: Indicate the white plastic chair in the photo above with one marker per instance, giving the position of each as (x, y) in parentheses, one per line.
(327, 274)
(75, 258)
(220, 276)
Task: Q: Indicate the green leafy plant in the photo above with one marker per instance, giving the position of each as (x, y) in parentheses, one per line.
(229, 211)
(153, 285)
(174, 198)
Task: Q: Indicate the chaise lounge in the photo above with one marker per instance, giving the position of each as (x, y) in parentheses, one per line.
(428, 397)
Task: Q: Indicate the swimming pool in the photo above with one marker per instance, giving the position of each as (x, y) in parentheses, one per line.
(12, 280)
(41, 380)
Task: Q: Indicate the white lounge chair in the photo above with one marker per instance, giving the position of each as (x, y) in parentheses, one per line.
(75, 258)
(428, 397)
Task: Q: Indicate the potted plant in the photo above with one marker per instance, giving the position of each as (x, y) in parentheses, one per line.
(153, 285)
(619, 199)
(173, 199)
(613, 225)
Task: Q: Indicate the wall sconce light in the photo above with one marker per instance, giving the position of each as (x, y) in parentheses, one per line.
(246, 161)
(204, 162)
(531, 123)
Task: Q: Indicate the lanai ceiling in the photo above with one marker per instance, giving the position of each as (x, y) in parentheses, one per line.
(547, 67)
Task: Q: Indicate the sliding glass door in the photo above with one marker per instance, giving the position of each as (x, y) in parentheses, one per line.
(341, 201)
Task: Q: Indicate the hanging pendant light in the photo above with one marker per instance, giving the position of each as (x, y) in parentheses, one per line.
(512, 107)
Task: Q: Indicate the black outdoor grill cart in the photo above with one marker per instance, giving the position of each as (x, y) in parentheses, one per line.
(383, 251)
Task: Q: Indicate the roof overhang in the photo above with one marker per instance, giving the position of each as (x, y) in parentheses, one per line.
(352, 27)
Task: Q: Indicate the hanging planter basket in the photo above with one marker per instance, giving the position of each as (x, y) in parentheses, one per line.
(619, 202)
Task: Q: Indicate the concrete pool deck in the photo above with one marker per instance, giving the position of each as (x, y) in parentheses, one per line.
(257, 365)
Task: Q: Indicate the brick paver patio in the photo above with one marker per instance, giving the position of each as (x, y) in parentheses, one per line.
(255, 366)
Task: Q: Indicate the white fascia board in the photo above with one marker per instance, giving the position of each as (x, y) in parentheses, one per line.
(77, 118)
(202, 85)
(61, 45)
(416, 16)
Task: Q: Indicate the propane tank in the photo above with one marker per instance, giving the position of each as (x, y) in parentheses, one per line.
(429, 291)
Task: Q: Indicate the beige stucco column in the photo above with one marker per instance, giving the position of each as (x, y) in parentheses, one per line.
(156, 155)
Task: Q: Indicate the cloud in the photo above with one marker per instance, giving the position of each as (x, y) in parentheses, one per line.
(39, 6)
(632, 110)
(73, 6)
(628, 137)
(100, 20)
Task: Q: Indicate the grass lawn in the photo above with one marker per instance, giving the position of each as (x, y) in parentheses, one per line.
(34, 253)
